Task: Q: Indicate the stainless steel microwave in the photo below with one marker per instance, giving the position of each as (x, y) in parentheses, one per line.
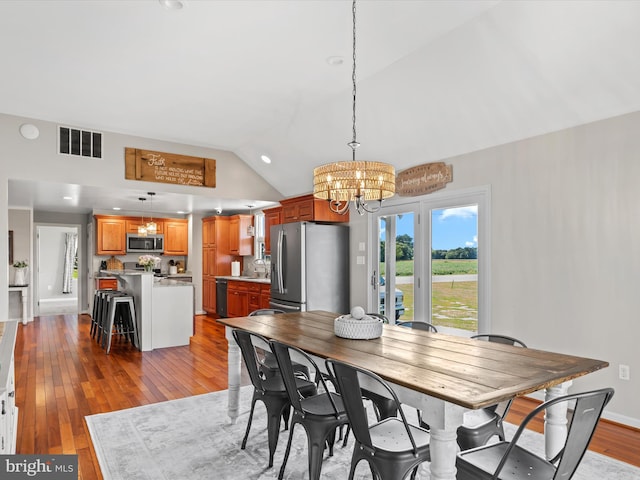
(148, 244)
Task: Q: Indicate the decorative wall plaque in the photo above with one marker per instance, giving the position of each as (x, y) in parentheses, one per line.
(423, 179)
(160, 167)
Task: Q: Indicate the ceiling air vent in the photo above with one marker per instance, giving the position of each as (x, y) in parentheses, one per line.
(73, 141)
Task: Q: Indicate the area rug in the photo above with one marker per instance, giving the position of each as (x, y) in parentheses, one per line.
(192, 439)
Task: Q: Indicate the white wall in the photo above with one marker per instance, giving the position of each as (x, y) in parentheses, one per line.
(565, 258)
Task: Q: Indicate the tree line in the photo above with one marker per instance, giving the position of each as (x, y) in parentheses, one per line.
(404, 251)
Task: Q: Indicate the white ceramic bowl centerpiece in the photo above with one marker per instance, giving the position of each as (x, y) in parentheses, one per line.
(357, 325)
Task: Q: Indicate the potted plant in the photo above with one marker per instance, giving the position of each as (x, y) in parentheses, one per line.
(20, 274)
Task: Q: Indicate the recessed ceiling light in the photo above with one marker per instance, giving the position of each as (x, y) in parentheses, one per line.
(265, 159)
(172, 4)
(68, 198)
(335, 61)
(117, 208)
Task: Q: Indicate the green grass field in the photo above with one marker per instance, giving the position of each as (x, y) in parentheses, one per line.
(455, 304)
(404, 268)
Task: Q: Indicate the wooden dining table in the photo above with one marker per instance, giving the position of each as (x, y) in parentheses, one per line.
(445, 376)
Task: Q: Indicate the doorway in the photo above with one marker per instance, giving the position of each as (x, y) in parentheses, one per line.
(57, 289)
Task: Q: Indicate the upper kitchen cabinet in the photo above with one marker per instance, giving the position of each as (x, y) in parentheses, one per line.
(272, 216)
(176, 237)
(240, 242)
(111, 238)
(309, 209)
(134, 222)
(209, 232)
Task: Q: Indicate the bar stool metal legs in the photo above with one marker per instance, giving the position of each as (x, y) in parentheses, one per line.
(120, 320)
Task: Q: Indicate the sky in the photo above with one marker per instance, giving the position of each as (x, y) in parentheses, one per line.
(451, 227)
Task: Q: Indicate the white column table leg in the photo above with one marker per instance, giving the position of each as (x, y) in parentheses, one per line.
(234, 366)
(443, 447)
(555, 420)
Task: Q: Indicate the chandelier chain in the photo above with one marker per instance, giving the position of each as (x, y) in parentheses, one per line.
(354, 143)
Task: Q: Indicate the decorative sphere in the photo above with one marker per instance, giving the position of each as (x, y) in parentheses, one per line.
(357, 312)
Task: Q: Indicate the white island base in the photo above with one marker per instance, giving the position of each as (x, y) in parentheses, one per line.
(164, 309)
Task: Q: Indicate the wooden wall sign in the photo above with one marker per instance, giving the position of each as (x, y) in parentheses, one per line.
(160, 167)
(423, 179)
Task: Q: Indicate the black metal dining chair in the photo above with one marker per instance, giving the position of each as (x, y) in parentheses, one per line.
(508, 460)
(488, 421)
(392, 447)
(270, 390)
(426, 326)
(320, 415)
(269, 364)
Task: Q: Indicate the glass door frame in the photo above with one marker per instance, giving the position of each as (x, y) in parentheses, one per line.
(422, 207)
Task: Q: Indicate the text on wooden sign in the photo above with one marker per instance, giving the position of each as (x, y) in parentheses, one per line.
(150, 166)
(423, 179)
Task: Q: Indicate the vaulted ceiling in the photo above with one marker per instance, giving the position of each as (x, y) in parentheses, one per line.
(435, 78)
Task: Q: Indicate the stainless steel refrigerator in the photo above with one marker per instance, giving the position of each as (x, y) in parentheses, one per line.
(310, 267)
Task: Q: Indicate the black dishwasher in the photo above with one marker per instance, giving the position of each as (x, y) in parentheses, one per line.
(221, 297)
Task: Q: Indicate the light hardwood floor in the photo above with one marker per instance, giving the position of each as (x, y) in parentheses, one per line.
(62, 376)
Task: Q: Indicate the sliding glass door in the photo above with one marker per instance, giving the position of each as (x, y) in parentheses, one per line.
(432, 259)
(396, 265)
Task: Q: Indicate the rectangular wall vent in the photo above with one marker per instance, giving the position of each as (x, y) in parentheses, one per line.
(83, 143)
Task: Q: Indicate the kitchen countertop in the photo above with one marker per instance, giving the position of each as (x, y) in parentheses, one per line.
(247, 279)
(113, 273)
(168, 282)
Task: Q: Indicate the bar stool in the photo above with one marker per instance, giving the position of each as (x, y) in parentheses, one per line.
(102, 312)
(98, 307)
(121, 320)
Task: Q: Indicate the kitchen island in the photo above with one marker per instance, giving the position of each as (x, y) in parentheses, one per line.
(164, 308)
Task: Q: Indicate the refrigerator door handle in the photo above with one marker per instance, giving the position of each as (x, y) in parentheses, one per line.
(280, 280)
(288, 307)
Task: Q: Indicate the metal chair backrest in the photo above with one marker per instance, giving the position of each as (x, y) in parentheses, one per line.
(253, 348)
(501, 408)
(427, 327)
(586, 414)
(348, 378)
(587, 411)
(380, 316)
(283, 353)
(491, 337)
(266, 311)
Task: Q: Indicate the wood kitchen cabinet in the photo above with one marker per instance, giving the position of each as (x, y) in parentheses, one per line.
(272, 216)
(265, 295)
(237, 299)
(176, 237)
(307, 208)
(216, 258)
(111, 238)
(134, 222)
(209, 232)
(244, 297)
(254, 297)
(106, 283)
(111, 234)
(240, 243)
